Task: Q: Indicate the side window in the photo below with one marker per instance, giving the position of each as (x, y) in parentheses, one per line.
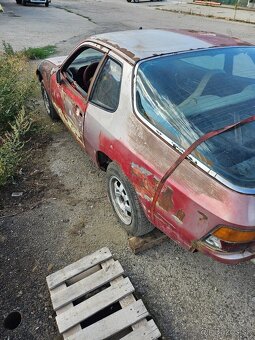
(243, 66)
(107, 88)
(82, 68)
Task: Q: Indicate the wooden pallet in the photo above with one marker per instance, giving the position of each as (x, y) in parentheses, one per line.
(94, 301)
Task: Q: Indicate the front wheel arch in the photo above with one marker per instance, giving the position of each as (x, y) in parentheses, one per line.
(48, 103)
(39, 75)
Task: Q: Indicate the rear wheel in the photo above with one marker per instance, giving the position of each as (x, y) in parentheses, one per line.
(125, 202)
(18, 2)
(48, 104)
(24, 2)
(47, 4)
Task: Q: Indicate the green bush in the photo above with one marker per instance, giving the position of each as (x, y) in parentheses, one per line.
(11, 146)
(16, 86)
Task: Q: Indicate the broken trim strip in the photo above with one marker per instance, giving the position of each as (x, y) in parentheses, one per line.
(186, 153)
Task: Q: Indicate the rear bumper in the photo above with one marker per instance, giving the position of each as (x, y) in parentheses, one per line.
(228, 258)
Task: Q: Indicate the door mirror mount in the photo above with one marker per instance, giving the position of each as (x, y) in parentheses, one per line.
(59, 77)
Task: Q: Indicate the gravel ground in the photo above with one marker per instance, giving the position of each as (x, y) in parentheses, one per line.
(64, 214)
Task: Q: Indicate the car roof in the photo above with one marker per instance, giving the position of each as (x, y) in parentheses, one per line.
(144, 43)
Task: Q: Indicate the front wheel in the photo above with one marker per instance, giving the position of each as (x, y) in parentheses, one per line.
(18, 2)
(47, 4)
(125, 202)
(48, 104)
(24, 2)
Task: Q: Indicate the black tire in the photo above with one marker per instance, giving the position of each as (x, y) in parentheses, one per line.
(48, 104)
(126, 204)
(47, 4)
(18, 2)
(128, 0)
(24, 2)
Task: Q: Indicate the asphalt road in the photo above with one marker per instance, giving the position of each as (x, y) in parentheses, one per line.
(189, 295)
(65, 23)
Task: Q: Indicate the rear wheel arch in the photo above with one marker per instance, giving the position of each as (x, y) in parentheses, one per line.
(103, 160)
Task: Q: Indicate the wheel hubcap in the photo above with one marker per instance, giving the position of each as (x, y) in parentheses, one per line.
(120, 200)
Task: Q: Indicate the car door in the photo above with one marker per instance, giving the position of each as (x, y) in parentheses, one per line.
(74, 81)
(103, 105)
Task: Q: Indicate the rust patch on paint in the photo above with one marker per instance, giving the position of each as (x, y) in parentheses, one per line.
(202, 216)
(202, 158)
(165, 200)
(147, 186)
(147, 182)
(180, 215)
(125, 51)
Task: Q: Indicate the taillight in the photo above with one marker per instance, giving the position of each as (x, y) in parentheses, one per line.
(228, 234)
(230, 239)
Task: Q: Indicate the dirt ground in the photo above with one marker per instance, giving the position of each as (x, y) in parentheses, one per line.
(64, 214)
(56, 218)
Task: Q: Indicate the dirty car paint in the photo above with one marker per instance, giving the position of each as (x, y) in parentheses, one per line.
(187, 204)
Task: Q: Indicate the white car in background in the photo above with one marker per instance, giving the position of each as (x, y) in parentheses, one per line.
(25, 2)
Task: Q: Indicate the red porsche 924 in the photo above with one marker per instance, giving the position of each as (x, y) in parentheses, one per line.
(170, 117)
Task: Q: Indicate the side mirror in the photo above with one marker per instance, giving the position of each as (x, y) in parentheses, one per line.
(59, 77)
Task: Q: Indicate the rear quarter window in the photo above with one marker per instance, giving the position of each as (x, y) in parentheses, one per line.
(106, 90)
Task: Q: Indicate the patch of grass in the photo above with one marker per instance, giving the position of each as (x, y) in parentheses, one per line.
(34, 53)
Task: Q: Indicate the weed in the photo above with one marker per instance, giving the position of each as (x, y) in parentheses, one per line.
(11, 146)
(16, 87)
(8, 49)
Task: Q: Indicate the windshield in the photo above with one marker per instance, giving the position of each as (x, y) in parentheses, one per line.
(189, 94)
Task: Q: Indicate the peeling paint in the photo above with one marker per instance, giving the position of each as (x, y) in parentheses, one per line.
(141, 170)
(202, 216)
(148, 185)
(179, 216)
(165, 200)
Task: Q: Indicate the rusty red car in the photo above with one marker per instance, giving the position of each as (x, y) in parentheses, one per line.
(169, 115)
